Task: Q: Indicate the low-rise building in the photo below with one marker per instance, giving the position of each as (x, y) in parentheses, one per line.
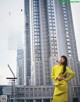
(21, 93)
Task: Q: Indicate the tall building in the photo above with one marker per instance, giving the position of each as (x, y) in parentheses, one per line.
(20, 67)
(49, 34)
(27, 49)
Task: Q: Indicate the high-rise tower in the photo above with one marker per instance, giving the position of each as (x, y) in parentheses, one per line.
(20, 66)
(27, 49)
(49, 34)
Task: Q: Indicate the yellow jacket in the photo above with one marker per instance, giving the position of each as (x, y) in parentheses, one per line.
(61, 86)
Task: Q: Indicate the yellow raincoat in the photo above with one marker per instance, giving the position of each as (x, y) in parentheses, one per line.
(61, 87)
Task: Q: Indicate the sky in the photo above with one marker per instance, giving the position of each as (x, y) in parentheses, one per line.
(11, 34)
(12, 31)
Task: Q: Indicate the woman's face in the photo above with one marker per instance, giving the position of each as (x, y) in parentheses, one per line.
(61, 60)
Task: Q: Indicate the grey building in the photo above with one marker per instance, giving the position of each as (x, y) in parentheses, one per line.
(50, 34)
(27, 49)
(31, 93)
(20, 67)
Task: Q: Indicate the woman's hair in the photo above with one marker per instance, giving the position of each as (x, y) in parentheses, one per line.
(65, 63)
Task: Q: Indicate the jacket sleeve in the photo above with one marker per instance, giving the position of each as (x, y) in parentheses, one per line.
(53, 73)
(72, 74)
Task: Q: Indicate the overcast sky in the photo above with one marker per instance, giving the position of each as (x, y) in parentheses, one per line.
(12, 30)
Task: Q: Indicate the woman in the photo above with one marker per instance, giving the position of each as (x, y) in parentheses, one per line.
(58, 74)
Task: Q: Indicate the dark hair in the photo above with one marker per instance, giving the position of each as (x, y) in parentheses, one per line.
(65, 63)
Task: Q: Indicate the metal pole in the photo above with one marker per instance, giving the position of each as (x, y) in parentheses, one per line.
(13, 82)
(11, 70)
(14, 90)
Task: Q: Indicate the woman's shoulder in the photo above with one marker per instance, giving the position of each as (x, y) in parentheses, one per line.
(55, 66)
(67, 67)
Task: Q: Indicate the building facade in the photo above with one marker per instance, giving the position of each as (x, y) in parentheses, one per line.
(27, 49)
(50, 34)
(20, 67)
(31, 93)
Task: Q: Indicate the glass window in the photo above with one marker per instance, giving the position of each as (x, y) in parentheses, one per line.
(67, 33)
(50, 24)
(68, 43)
(68, 39)
(50, 17)
(65, 15)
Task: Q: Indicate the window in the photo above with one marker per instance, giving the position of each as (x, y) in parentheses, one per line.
(68, 43)
(69, 51)
(68, 40)
(69, 47)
